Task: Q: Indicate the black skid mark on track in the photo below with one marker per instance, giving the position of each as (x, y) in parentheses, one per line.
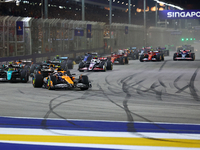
(137, 83)
(150, 91)
(158, 93)
(161, 83)
(128, 78)
(20, 91)
(113, 88)
(119, 81)
(51, 110)
(153, 88)
(106, 79)
(176, 86)
(190, 86)
(139, 91)
(161, 67)
(130, 124)
(89, 94)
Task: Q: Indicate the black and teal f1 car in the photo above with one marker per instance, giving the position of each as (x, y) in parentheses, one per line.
(14, 73)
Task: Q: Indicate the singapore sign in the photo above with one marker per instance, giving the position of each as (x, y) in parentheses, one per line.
(179, 14)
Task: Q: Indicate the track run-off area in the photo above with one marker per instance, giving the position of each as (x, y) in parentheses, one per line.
(142, 105)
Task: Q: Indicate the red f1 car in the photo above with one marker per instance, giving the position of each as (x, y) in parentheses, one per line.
(119, 58)
(152, 56)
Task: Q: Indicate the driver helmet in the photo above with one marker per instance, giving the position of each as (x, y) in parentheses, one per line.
(60, 73)
(57, 57)
(10, 65)
(10, 69)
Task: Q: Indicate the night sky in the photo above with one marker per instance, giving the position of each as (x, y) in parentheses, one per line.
(187, 4)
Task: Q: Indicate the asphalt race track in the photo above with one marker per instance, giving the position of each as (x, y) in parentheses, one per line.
(142, 105)
(166, 91)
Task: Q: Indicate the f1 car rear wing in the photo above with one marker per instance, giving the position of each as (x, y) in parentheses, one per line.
(63, 58)
(185, 50)
(14, 66)
(133, 48)
(103, 58)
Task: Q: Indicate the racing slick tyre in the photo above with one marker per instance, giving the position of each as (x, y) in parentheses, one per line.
(133, 56)
(122, 60)
(32, 68)
(78, 59)
(70, 64)
(137, 55)
(37, 80)
(162, 57)
(109, 65)
(64, 66)
(24, 76)
(174, 57)
(12, 80)
(126, 60)
(81, 65)
(158, 57)
(193, 56)
(104, 67)
(84, 80)
(51, 82)
(141, 58)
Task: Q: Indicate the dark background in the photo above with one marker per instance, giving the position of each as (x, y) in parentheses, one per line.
(95, 10)
(187, 4)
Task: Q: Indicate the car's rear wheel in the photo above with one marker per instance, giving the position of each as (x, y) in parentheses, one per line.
(141, 58)
(70, 64)
(193, 56)
(84, 80)
(80, 66)
(163, 57)
(24, 76)
(51, 82)
(32, 68)
(158, 57)
(126, 60)
(122, 60)
(174, 57)
(109, 65)
(37, 80)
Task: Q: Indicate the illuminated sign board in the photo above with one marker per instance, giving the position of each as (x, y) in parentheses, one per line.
(89, 31)
(79, 32)
(179, 14)
(19, 26)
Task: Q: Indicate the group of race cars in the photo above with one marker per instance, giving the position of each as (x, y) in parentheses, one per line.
(52, 74)
(184, 52)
